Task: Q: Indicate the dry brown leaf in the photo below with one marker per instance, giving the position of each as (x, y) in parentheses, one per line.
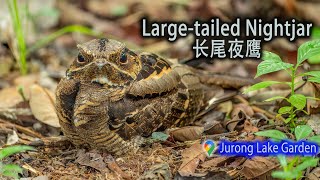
(218, 161)
(25, 82)
(249, 127)
(242, 107)
(236, 123)
(42, 105)
(157, 170)
(113, 166)
(187, 133)
(12, 138)
(9, 97)
(225, 107)
(91, 159)
(191, 158)
(258, 166)
(314, 123)
(314, 174)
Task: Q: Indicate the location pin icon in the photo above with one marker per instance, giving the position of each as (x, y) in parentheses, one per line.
(209, 147)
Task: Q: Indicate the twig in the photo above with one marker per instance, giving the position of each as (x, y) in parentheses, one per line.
(257, 109)
(21, 129)
(59, 141)
(217, 136)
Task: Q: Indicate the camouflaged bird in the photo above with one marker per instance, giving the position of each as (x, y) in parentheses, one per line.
(111, 95)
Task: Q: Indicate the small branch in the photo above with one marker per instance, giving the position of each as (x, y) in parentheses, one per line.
(20, 128)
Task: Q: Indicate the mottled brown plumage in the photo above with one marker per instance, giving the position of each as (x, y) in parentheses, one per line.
(112, 95)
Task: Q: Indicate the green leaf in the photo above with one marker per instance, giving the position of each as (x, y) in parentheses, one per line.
(302, 131)
(261, 85)
(314, 79)
(282, 160)
(11, 170)
(311, 162)
(119, 10)
(298, 100)
(160, 136)
(315, 34)
(307, 50)
(5, 152)
(67, 29)
(275, 98)
(284, 175)
(272, 62)
(315, 139)
(19, 35)
(275, 134)
(312, 73)
(313, 98)
(270, 56)
(314, 59)
(285, 110)
(266, 67)
(287, 120)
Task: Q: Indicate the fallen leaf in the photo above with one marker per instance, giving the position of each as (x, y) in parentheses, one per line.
(258, 166)
(25, 82)
(249, 127)
(113, 166)
(212, 122)
(236, 123)
(216, 175)
(157, 171)
(217, 161)
(91, 159)
(187, 133)
(9, 97)
(12, 138)
(42, 105)
(190, 159)
(242, 107)
(314, 174)
(314, 123)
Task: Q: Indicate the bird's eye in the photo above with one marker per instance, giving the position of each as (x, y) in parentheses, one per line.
(81, 58)
(123, 58)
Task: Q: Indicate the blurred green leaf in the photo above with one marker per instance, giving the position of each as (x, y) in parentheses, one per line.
(282, 160)
(312, 73)
(314, 79)
(18, 30)
(160, 136)
(284, 175)
(275, 134)
(7, 151)
(310, 162)
(275, 98)
(67, 29)
(315, 34)
(285, 110)
(307, 50)
(119, 10)
(48, 11)
(11, 170)
(261, 85)
(302, 131)
(315, 139)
